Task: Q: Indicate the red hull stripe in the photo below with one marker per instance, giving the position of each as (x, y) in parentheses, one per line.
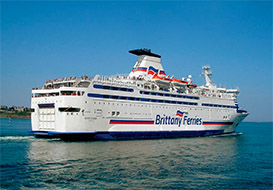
(131, 122)
(217, 123)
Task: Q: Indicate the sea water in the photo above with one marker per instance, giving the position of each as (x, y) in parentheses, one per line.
(239, 161)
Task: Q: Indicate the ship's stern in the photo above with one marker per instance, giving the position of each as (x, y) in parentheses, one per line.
(58, 113)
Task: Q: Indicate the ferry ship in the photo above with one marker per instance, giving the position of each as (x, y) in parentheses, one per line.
(144, 104)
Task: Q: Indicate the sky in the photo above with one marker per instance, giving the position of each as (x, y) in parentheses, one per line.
(54, 39)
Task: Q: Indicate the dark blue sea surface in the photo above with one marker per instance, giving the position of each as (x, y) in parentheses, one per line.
(239, 161)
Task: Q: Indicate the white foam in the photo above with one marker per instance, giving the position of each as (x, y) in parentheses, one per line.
(17, 138)
(229, 135)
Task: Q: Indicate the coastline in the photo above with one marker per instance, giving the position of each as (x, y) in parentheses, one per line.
(14, 116)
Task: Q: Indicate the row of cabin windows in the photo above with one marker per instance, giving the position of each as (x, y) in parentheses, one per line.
(168, 95)
(63, 93)
(139, 99)
(113, 88)
(217, 105)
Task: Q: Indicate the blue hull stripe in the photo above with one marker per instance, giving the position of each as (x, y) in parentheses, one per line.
(125, 135)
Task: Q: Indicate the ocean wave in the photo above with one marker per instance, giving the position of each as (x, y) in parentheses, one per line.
(228, 135)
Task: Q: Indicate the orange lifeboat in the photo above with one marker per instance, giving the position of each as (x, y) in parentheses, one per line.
(192, 86)
(177, 82)
(161, 80)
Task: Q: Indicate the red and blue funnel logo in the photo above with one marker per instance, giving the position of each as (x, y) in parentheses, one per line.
(180, 113)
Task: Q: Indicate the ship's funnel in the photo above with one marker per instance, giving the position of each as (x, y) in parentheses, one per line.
(144, 51)
(147, 65)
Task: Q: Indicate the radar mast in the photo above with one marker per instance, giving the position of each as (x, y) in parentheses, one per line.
(207, 75)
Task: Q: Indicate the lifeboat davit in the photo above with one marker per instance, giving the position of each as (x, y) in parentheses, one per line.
(177, 82)
(161, 80)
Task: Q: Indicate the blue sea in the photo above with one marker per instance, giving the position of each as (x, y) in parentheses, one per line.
(239, 161)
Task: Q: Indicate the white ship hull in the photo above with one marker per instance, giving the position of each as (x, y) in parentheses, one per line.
(106, 118)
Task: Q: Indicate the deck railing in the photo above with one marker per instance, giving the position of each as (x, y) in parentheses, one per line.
(123, 80)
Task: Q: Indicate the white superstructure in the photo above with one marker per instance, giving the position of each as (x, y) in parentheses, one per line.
(144, 104)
